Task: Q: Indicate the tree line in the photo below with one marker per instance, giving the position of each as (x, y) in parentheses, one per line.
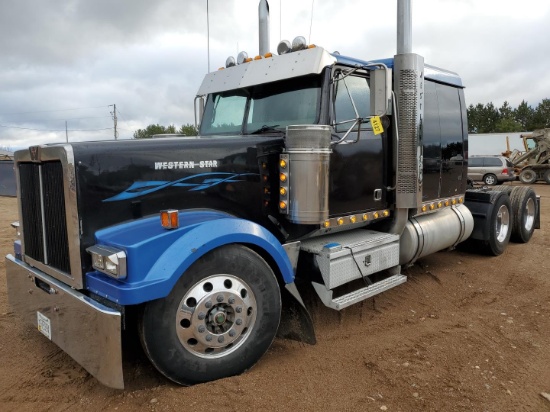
(506, 119)
(153, 129)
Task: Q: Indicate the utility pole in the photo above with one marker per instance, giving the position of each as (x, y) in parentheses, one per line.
(113, 113)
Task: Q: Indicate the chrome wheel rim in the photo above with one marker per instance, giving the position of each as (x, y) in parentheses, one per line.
(215, 316)
(490, 180)
(502, 223)
(529, 215)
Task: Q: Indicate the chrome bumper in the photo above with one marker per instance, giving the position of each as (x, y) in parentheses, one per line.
(85, 329)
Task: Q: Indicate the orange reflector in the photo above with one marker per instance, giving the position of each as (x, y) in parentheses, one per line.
(340, 221)
(248, 60)
(376, 215)
(282, 205)
(311, 46)
(386, 213)
(326, 224)
(169, 219)
(353, 219)
(268, 55)
(365, 216)
(282, 177)
(282, 163)
(221, 68)
(258, 58)
(282, 191)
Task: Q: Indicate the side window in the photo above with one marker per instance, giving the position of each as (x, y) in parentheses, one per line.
(227, 114)
(349, 91)
(493, 161)
(475, 161)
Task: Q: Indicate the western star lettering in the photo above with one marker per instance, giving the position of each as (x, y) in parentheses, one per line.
(186, 165)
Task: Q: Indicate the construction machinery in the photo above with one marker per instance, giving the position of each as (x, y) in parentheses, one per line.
(534, 163)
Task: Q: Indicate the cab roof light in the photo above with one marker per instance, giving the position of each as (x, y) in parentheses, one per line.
(242, 57)
(230, 61)
(169, 219)
(299, 43)
(284, 47)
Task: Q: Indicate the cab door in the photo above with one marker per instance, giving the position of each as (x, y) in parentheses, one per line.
(358, 163)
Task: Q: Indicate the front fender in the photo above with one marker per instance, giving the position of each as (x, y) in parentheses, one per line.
(156, 258)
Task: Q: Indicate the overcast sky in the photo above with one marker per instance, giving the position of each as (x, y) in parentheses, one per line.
(149, 57)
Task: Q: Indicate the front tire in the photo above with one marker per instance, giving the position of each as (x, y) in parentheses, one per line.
(220, 318)
(528, 176)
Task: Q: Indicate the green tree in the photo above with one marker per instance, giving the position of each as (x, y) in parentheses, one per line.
(524, 115)
(188, 130)
(150, 130)
(541, 117)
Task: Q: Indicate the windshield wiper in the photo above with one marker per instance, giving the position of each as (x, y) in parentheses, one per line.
(266, 128)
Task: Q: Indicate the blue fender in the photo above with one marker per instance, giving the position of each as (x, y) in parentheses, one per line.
(156, 257)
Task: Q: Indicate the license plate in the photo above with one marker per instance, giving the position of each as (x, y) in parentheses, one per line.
(44, 325)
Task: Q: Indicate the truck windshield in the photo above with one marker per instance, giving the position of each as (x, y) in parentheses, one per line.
(263, 108)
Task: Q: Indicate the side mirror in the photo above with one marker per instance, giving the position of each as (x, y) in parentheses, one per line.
(201, 110)
(380, 92)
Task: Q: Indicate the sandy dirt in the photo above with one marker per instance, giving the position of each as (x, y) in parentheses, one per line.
(465, 333)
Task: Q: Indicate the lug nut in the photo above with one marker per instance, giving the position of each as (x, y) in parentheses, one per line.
(239, 321)
(219, 298)
(201, 316)
(231, 301)
(208, 338)
(239, 309)
(208, 305)
(220, 339)
(232, 333)
(201, 329)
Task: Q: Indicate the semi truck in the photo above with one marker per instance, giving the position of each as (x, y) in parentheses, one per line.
(313, 171)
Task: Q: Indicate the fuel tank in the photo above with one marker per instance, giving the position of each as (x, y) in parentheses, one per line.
(431, 233)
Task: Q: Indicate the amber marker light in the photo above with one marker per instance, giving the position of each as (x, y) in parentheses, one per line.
(432, 206)
(447, 203)
(264, 165)
(282, 191)
(386, 213)
(268, 55)
(282, 177)
(453, 201)
(169, 219)
(460, 200)
(353, 219)
(282, 205)
(365, 216)
(258, 58)
(340, 221)
(439, 204)
(282, 163)
(326, 224)
(376, 215)
(424, 208)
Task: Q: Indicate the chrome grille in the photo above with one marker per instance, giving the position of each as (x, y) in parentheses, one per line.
(43, 212)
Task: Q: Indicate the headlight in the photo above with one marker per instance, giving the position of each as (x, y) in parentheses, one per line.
(108, 260)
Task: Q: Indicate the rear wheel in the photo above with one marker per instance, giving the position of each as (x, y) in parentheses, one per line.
(218, 320)
(524, 211)
(528, 176)
(490, 179)
(500, 227)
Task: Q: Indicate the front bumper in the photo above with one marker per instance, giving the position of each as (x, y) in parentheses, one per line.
(86, 330)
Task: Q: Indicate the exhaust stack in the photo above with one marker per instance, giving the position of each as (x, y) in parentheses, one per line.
(263, 26)
(409, 90)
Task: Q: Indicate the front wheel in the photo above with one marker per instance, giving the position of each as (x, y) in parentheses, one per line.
(220, 318)
(528, 176)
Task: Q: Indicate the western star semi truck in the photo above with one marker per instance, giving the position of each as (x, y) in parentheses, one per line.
(312, 170)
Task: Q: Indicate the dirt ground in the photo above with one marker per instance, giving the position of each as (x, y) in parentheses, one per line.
(465, 333)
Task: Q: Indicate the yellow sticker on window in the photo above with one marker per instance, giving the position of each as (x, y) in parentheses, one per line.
(376, 124)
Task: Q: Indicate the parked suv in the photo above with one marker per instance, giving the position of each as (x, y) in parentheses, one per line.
(491, 170)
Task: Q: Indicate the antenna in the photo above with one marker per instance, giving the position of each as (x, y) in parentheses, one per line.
(208, 34)
(311, 22)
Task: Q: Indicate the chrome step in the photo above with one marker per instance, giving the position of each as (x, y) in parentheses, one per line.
(357, 295)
